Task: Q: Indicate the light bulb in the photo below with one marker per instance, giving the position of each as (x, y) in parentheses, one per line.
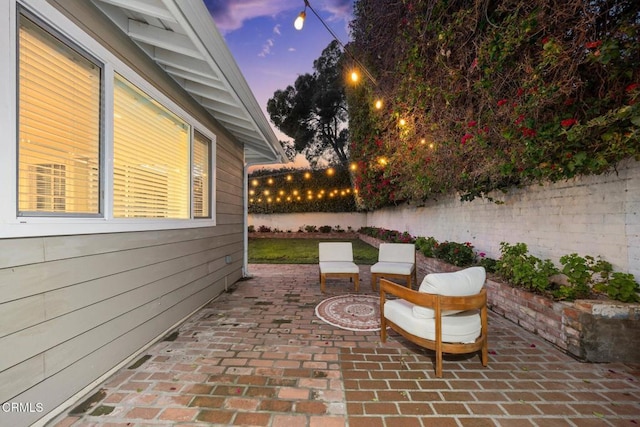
(299, 22)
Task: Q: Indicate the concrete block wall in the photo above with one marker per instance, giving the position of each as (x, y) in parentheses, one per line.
(294, 221)
(595, 215)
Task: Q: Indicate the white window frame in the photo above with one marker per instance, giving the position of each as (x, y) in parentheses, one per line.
(12, 225)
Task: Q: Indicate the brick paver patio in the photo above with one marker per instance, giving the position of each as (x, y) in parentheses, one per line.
(258, 355)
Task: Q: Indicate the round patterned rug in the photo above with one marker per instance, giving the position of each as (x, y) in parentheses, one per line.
(351, 312)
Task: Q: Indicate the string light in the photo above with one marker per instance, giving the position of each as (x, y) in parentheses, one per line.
(268, 187)
(299, 23)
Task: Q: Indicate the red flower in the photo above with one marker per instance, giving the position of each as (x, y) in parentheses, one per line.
(632, 87)
(528, 132)
(472, 123)
(519, 119)
(593, 45)
(465, 138)
(520, 91)
(502, 102)
(568, 122)
(474, 64)
(545, 40)
(569, 101)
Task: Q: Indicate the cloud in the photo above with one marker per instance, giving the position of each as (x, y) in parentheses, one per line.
(230, 15)
(266, 48)
(339, 9)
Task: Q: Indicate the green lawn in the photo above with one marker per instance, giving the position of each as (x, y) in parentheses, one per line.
(302, 251)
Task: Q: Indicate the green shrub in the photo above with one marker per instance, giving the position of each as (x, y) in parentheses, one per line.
(325, 228)
(458, 254)
(580, 273)
(521, 269)
(620, 287)
(489, 264)
(426, 245)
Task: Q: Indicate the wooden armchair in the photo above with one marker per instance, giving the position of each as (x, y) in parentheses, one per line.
(448, 314)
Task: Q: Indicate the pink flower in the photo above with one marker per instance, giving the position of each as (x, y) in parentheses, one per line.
(502, 102)
(482, 254)
(568, 122)
(474, 64)
(472, 123)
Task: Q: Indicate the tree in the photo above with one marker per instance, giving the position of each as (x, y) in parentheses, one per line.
(313, 111)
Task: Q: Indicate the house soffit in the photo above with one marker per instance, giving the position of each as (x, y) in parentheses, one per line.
(181, 37)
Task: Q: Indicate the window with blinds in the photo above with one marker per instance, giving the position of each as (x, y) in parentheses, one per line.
(151, 155)
(201, 164)
(158, 165)
(59, 126)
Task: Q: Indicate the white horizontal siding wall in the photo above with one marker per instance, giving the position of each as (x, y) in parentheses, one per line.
(74, 307)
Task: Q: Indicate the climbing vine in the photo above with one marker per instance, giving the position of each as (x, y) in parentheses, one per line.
(485, 95)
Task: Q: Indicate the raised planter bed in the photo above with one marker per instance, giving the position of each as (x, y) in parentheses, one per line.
(590, 330)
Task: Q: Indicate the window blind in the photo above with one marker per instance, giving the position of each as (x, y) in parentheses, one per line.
(151, 155)
(201, 178)
(59, 126)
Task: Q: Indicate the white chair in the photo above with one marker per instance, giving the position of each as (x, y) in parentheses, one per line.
(448, 314)
(336, 260)
(395, 260)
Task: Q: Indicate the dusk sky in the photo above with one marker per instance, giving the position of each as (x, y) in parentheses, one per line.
(270, 52)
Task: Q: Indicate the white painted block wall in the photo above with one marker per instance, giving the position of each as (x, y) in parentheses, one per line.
(595, 215)
(293, 222)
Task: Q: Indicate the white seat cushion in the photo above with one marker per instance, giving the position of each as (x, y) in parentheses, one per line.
(338, 267)
(392, 267)
(463, 327)
(456, 284)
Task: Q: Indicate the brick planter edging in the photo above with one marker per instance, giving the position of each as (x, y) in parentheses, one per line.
(303, 235)
(590, 330)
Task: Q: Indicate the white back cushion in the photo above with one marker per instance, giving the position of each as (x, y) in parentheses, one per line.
(335, 251)
(397, 252)
(456, 284)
